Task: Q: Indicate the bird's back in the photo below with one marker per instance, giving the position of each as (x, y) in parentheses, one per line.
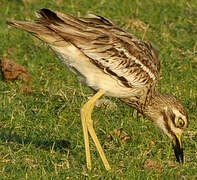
(103, 55)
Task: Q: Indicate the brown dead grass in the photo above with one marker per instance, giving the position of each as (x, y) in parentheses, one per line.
(30, 1)
(152, 165)
(138, 24)
(120, 134)
(195, 59)
(26, 90)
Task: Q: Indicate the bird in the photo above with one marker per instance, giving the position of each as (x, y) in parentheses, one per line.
(112, 62)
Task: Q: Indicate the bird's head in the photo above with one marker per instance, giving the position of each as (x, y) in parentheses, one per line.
(170, 115)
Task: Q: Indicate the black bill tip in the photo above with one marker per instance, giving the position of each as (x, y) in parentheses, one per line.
(179, 154)
(178, 151)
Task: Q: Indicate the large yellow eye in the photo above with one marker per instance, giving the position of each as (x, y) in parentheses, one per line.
(180, 123)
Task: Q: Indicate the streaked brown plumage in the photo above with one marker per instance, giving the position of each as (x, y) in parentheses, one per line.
(112, 62)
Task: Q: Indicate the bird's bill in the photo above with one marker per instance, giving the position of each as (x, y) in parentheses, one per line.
(178, 149)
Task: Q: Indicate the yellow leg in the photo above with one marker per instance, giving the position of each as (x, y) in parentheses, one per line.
(87, 124)
(86, 140)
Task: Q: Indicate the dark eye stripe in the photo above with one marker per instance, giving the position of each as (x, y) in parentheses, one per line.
(172, 117)
(166, 123)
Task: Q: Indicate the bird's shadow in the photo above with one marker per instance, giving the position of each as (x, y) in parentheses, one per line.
(7, 135)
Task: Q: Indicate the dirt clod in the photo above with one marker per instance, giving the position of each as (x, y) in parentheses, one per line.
(13, 71)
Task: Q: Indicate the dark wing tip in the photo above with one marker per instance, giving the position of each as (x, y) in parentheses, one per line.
(46, 13)
(11, 23)
(49, 15)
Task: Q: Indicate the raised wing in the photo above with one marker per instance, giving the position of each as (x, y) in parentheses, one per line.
(133, 62)
(118, 53)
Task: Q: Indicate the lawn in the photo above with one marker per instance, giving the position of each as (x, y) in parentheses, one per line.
(40, 130)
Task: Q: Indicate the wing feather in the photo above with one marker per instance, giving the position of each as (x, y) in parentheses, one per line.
(133, 62)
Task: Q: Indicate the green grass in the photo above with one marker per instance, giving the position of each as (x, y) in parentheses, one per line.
(41, 134)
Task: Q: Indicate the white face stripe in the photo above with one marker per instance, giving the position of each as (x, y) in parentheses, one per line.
(174, 130)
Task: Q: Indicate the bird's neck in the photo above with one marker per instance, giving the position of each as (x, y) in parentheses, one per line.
(155, 106)
(150, 105)
(143, 101)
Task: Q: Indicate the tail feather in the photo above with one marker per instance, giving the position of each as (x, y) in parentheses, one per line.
(58, 20)
(29, 26)
(67, 26)
(54, 27)
(38, 30)
(91, 20)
